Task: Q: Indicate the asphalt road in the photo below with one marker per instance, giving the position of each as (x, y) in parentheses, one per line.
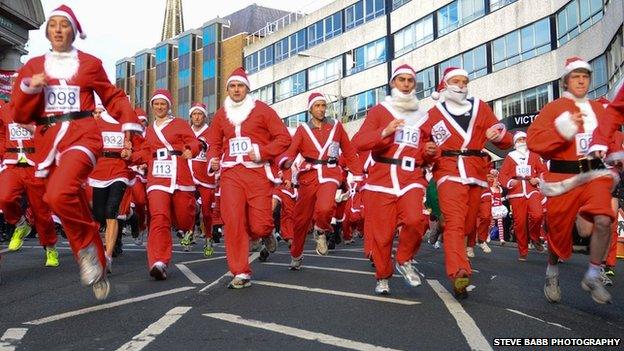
(328, 305)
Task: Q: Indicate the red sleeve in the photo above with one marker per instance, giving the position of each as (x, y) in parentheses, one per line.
(614, 118)
(369, 135)
(3, 128)
(507, 172)
(27, 101)
(214, 138)
(293, 150)
(349, 154)
(280, 138)
(542, 135)
(141, 155)
(188, 137)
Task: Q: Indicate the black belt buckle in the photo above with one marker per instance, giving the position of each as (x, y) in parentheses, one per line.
(584, 165)
(332, 161)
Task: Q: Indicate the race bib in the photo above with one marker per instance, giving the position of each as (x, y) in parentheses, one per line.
(113, 140)
(163, 168)
(240, 146)
(17, 132)
(408, 135)
(523, 171)
(334, 149)
(201, 156)
(582, 143)
(440, 133)
(62, 98)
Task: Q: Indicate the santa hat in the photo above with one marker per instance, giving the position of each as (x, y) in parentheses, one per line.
(140, 114)
(449, 73)
(574, 63)
(198, 106)
(68, 13)
(162, 94)
(314, 97)
(238, 75)
(403, 69)
(519, 135)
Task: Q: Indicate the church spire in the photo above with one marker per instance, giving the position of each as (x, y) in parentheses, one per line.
(174, 22)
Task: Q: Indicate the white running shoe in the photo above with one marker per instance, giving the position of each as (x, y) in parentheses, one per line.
(437, 245)
(382, 287)
(159, 271)
(101, 288)
(484, 246)
(138, 241)
(321, 245)
(409, 274)
(90, 268)
(470, 252)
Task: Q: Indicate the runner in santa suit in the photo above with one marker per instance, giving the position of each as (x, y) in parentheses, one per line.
(111, 176)
(169, 143)
(574, 183)
(55, 90)
(286, 194)
(520, 174)
(18, 178)
(395, 187)
(244, 137)
(461, 126)
(138, 221)
(484, 219)
(199, 170)
(320, 142)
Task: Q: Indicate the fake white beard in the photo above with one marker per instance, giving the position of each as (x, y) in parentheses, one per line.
(403, 102)
(455, 99)
(237, 112)
(522, 147)
(61, 65)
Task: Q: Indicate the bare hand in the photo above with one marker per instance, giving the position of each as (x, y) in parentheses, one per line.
(252, 155)
(187, 154)
(29, 127)
(598, 154)
(143, 167)
(38, 81)
(493, 133)
(126, 153)
(287, 164)
(288, 184)
(534, 181)
(430, 148)
(214, 164)
(392, 127)
(577, 118)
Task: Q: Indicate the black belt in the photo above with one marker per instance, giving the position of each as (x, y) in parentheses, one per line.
(583, 165)
(330, 161)
(22, 165)
(70, 116)
(111, 154)
(22, 150)
(393, 161)
(170, 153)
(450, 153)
(521, 178)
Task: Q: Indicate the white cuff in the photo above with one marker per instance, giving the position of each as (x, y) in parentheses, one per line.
(257, 152)
(25, 87)
(132, 127)
(358, 178)
(509, 183)
(597, 147)
(282, 160)
(565, 126)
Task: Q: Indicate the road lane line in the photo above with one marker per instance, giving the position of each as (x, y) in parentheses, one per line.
(107, 306)
(11, 338)
(140, 341)
(332, 256)
(204, 260)
(58, 247)
(303, 267)
(252, 258)
(299, 333)
(336, 292)
(189, 274)
(538, 319)
(466, 324)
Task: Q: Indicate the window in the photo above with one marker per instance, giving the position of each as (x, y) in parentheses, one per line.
(528, 101)
(473, 61)
(615, 59)
(315, 34)
(295, 120)
(413, 36)
(324, 29)
(459, 13)
(358, 105)
(281, 50)
(324, 73)
(398, 3)
(210, 54)
(369, 55)
(185, 78)
(265, 57)
(599, 79)
(363, 11)
(497, 4)
(297, 42)
(520, 45)
(425, 82)
(264, 94)
(251, 63)
(576, 17)
(162, 66)
(290, 86)
(374, 8)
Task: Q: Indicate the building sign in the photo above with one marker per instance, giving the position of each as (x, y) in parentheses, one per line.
(6, 83)
(13, 27)
(519, 121)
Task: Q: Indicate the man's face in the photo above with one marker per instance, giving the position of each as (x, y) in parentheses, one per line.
(60, 33)
(318, 110)
(405, 83)
(458, 81)
(97, 113)
(237, 91)
(578, 83)
(197, 118)
(160, 108)
(521, 140)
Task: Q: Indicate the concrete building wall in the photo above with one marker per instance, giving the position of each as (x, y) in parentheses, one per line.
(231, 58)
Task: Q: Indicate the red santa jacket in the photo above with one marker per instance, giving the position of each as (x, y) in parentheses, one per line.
(199, 164)
(16, 142)
(397, 159)
(554, 136)
(613, 120)
(318, 147)
(261, 130)
(167, 170)
(68, 96)
(521, 167)
(450, 136)
(111, 167)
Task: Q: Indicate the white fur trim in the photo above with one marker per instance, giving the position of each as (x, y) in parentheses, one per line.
(70, 19)
(160, 96)
(87, 152)
(565, 127)
(597, 147)
(256, 149)
(435, 95)
(26, 89)
(237, 113)
(578, 64)
(403, 71)
(519, 135)
(455, 72)
(132, 127)
(197, 108)
(562, 187)
(318, 98)
(238, 79)
(97, 183)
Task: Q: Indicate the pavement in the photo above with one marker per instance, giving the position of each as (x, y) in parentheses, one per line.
(328, 305)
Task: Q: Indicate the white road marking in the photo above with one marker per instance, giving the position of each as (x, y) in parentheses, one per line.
(189, 274)
(108, 305)
(299, 333)
(4, 250)
(336, 250)
(538, 319)
(304, 266)
(337, 293)
(252, 258)
(58, 247)
(204, 260)
(150, 333)
(334, 257)
(11, 338)
(466, 324)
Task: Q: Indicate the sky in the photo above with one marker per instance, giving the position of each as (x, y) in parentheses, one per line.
(119, 28)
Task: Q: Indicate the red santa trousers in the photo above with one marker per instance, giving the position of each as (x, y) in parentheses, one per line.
(588, 200)
(124, 205)
(484, 219)
(66, 196)
(167, 209)
(611, 259)
(459, 204)
(139, 198)
(386, 213)
(527, 218)
(339, 213)
(246, 210)
(316, 204)
(17, 180)
(207, 198)
(287, 216)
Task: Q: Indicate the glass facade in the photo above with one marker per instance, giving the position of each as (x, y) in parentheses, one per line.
(473, 61)
(185, 74)
(290, 86)
(458, 13)
(264, 94)
(356, 106)
(415, 35)
(520, 45)
(497, 4)
(324, 72)
(368, 56)
(599, 79)
(296, 119)
(425, 82)
(526, 102)
(577, 16)
(210, 58)
(141, 64)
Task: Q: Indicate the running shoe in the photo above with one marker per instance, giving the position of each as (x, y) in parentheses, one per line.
(606, 281)
(538, 246)
(138, 241)
(101, 288)
(348, 242)
(409, 274)
(595, 287)
(187, 240)
(208, 249)
(239, 282)
(295, 263)
(51, 257)
(470, 252)
(17, 240)
(609, 271)
(522, 258)
(90, 268)
(460, 283)
(159, 271)
(486, 249)
(551, 289)
(382, 287)
(321, 244)
(270, 243)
